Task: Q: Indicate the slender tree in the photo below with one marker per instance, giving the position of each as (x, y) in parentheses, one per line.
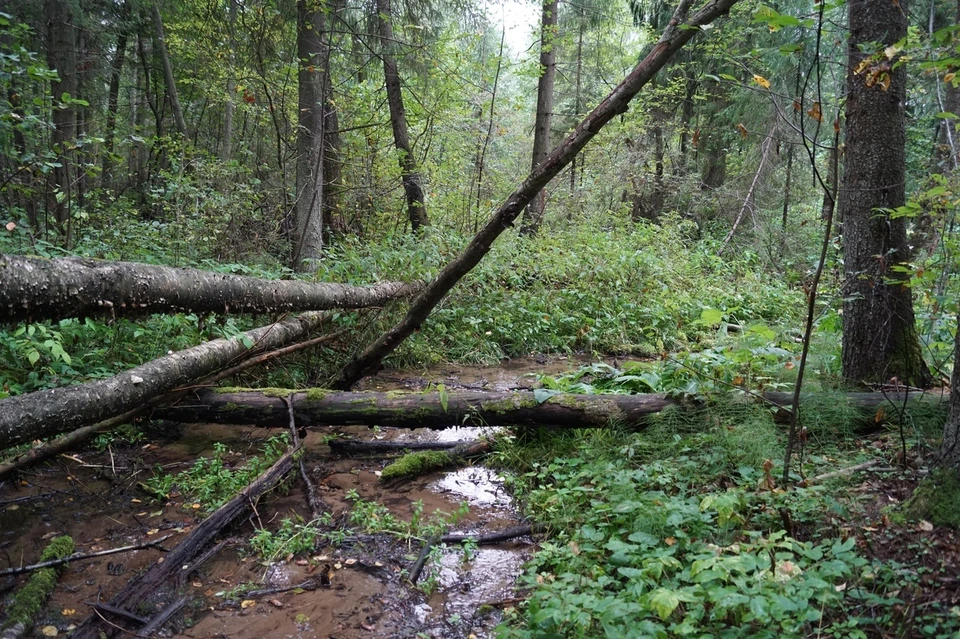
(879, 335)
(533, 216)
(62, 57)
(412, 182)
(160, 39)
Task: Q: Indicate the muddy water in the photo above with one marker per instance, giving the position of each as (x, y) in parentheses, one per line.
(94, 497)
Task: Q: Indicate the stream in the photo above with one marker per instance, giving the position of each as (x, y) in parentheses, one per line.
(94, 497)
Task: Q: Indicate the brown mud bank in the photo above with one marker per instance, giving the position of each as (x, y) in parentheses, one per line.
(352, 583)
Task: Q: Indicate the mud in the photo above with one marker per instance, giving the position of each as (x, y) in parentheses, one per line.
(94, 496)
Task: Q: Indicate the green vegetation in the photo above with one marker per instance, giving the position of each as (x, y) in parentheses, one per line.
(679, 531)
(936, 499)
(30, 599)
(212, 481)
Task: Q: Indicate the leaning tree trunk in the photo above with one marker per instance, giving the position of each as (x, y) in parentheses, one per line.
(50, 412)
(543, 125)
(37, 288)
(679, 32)
(879, 335)
(161, 40)
(412, 182)
(308, 238)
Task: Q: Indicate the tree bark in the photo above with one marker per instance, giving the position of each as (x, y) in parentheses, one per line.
(62, 57)
(543, 124)
(879, 335)
(412, 181)
(614, 104)
(417, 410)
(161, 40)
(476, 408)
(38, 288)
(948, 456)
(113, 101)
(51, 412)
(311, 52)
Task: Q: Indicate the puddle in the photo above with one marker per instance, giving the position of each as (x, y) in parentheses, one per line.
(478, 485)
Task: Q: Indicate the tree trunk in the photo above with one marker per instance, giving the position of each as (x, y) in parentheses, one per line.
(113, 101)
(62, 57)
(879, 335)
(50, 412)
(308, 237)
(614, 104)
(226, 141)
(321, 407)
(34, 289)
(412, 182)
(542, 126)
(168, 77)
(948, 456)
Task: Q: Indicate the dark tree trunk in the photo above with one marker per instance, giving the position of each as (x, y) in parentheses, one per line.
(113, 101)
(161, 41)
(412, 181)
(679, 32)
(311, 53)
(879, 335)
(948, 456)
(226, 141)
(62, 57)
(34, 289)
(543, 124)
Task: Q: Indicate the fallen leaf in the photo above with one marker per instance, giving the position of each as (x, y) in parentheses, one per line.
(338, 565)
(276, 603)
(247, 603)
(925, 525)
(670, 541)
(13, 507)
(195, 506)
(350, 562)
(367, 627)
(196, 584)
(153, 531)
(49, 631)
(574, 548)
(135, 501)
(10, 226)
(68, 612)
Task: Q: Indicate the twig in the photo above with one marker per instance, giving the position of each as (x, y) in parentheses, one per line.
(496, 537)
(843, 471)
(105, 608)
(317, 507)
(309, 584)
(422, 559)
(78, 556)
(20, 500)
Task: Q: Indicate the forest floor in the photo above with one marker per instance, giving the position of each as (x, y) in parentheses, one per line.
(356, 588)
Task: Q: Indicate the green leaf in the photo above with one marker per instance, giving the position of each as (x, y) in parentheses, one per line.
(711, 316)
(33, 357)
(946, 115)
(664, 602)
(444, 398)
(543, 394)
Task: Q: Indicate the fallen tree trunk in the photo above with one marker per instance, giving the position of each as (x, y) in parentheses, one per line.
(474, 408)
(141, 587)
(36, 289)
(678, 32)
(416, 410)
(51, 412)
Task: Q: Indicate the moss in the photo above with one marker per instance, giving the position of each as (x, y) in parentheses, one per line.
(501, 406)
(416, 464)
(269, 391)
(317, 394)
(597, 411)
(397, 394)
(29, 600)
(936, 499)
(368, 401)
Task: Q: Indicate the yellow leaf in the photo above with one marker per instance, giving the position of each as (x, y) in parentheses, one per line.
(815, 112)
(737, 380)
(195, 506)
(862, 66)
(891, 51)
(49, 631)
(247, 603)
(947, 78)
(68, 612)
(762, 81)
(885, 81)
(742, 129)
(670, 541)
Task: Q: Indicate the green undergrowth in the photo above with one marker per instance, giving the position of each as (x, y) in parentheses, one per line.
(936, 499)
(619, 288)
(214, 480)
(680, 530)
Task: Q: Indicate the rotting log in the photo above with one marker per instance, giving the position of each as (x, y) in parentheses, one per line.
(678, 32)
(141, 587)
(319, 407)
(415, 410)
(50, 412)
(36, 289)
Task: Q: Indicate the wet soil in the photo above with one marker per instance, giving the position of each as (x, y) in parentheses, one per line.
(94, 497)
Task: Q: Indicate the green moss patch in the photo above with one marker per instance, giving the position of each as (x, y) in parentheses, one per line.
(29, 600)
(937, 499)
(416, 464)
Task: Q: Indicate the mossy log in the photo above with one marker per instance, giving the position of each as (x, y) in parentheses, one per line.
(417, 410)
(319, 407)
(29, 600)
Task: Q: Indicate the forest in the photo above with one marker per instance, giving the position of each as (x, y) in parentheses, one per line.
(446, 318)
